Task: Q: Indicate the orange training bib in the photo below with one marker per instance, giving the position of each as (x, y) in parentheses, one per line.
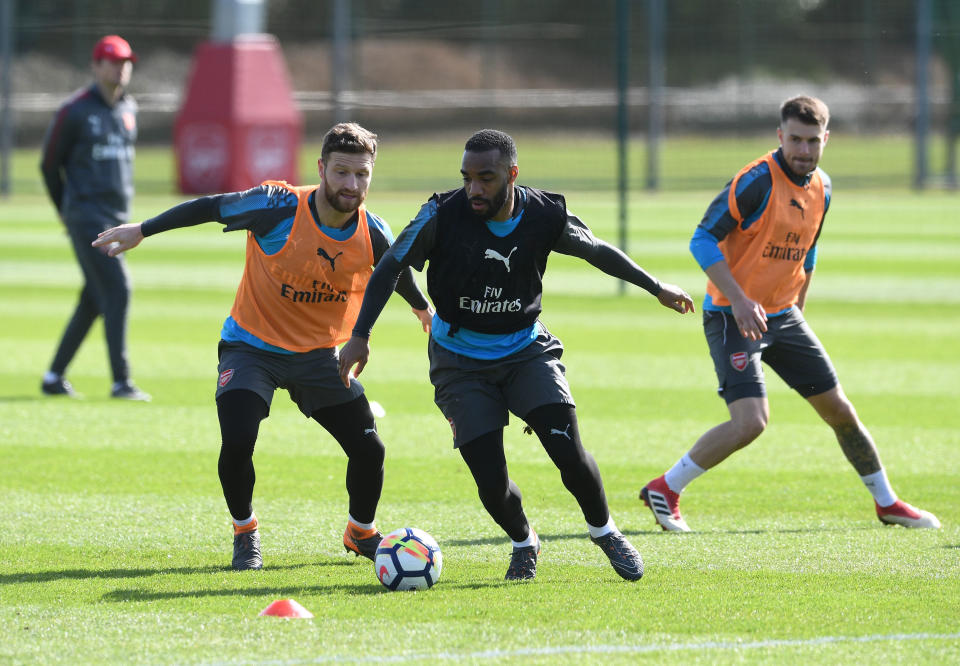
(767, 257)
(307, 295)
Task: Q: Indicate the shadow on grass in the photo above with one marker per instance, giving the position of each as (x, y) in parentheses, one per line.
(504, 540)
(657, 533)
(279, 592)
(85, 574)
(779, 530)
(17, 578)
(285, 591)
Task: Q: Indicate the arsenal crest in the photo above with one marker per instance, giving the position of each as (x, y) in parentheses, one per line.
(739, 361)
(225, 377)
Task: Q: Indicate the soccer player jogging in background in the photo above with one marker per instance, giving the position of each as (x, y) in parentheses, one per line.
(310, 253)
(487, 245)
(757, 244)
(87, 168)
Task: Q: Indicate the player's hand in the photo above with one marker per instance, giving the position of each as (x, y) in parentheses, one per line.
(356, 351)
(751, 318)
(426, 318)
(119, 239)
(675, 298)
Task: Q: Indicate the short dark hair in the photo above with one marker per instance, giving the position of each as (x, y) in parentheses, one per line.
(808, 110)
(491, 139)
(348, 138)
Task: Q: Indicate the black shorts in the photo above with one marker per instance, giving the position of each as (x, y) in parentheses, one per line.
(311, 378)
(789, 346)
(478, 395)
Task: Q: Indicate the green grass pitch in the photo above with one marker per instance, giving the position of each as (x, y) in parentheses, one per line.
(115, 545)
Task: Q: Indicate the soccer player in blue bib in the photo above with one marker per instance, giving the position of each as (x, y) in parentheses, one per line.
(487, 245)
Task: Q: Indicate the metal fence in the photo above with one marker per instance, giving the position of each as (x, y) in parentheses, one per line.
(415, 66)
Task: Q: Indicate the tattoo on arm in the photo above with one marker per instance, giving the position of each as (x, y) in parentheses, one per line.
(859, 448)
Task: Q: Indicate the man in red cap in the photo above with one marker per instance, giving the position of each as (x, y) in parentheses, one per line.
(87, 167)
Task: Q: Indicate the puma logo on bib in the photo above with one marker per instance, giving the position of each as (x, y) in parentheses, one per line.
(323, 253)
(493, 254)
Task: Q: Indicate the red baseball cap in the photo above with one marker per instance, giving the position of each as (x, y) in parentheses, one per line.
(113, 47)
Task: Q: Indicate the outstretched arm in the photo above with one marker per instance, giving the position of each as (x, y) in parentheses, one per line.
(119, 239)
(577, 240)
(128, 236)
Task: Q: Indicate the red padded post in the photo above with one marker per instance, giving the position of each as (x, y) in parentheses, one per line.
(238, 125)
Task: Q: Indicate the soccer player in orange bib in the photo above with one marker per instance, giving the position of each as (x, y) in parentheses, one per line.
(757, 244)
(310, 252)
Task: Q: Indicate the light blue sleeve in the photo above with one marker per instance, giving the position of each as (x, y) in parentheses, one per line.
(705, 248)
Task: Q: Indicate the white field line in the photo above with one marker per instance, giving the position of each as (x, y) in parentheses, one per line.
(609, 649)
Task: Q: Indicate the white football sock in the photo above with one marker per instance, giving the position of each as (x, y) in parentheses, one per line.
(247, 521)
(682, 473)
(363, 526)
(597, 532)
(879, 487)
(531, 540)
(50, 376)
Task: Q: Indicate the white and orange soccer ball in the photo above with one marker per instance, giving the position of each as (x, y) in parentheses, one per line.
(408, 559)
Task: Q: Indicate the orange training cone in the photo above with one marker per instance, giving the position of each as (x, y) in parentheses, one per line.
(286, 608)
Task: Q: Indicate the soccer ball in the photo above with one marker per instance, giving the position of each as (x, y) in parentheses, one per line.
(408, 559)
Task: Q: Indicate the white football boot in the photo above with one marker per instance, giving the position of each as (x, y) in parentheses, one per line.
(901, 513)
(665, 505)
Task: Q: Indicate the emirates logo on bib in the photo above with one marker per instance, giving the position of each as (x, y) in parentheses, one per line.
(739, 361)
(225, 377)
